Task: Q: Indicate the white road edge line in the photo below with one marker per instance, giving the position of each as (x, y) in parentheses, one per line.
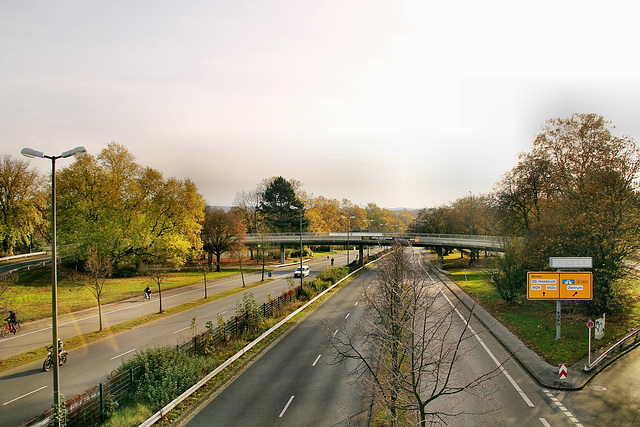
(317, 358)
(120, 355)
(496, 361)
(286, 407)
(24, 395)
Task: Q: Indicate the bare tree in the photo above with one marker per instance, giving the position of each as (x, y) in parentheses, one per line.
(99, 268)
(407, 347)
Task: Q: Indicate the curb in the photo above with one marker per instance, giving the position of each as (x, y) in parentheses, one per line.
(543, 373)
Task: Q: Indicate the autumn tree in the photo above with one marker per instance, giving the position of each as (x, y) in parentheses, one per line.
(22, 203)
(578, 198)
(126, 208)
(221, 232)
(324, 215)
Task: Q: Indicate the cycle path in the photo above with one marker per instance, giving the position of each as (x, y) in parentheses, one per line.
(37, 334)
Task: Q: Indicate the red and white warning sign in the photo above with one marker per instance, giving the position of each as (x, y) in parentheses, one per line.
(562, 371)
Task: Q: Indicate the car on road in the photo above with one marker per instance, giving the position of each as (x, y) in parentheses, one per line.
(301, 271)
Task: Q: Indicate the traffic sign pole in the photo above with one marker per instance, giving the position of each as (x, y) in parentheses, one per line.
(558, 319)
(590, 325)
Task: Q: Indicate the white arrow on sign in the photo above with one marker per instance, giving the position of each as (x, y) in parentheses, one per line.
(562, 371)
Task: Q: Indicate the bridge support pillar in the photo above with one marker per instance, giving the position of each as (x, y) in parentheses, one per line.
(360, 255)
(440, 256)
(282, 254)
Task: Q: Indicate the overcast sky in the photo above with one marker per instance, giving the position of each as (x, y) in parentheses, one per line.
(411, 104)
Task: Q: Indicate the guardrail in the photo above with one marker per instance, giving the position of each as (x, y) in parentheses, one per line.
(635, 333)
(91, 406)
(11, 258)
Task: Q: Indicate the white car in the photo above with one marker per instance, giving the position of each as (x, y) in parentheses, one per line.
(304, 269)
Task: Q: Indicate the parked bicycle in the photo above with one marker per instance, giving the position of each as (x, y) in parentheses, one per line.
(8, 329)
(62, 357)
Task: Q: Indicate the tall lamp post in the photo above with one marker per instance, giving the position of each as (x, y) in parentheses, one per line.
(348, 234)
(296, 208)
(28, 152)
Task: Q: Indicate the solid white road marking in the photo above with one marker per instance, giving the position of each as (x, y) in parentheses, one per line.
(317, 358)
(495, 360)
(25, 395)
(126, 352)
(285, 407)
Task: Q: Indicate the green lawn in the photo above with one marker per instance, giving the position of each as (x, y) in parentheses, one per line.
(29, 294)
(534, 321)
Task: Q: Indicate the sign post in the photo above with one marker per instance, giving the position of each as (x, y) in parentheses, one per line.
(590, 325)
(561, 285)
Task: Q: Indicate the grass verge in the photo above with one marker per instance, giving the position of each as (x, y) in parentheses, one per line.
(216, 383)
(80, 340)
(534, 322)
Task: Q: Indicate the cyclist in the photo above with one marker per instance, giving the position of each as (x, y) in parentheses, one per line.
(11, 320)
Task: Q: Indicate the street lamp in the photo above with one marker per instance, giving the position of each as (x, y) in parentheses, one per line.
(296, 208)
(348, 232)
(28, 152)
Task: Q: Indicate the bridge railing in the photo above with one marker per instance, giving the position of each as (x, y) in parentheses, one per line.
(373, 238)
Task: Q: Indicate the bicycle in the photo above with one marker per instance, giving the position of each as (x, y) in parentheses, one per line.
(6, 330)
(48, 362)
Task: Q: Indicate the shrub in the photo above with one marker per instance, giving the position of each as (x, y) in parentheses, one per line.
(164, 373)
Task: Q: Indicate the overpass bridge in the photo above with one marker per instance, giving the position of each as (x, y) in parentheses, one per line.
(439, 242)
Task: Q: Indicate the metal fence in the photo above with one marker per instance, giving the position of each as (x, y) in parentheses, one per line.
(93, 405)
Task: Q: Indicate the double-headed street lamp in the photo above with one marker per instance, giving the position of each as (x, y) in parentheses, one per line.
(348, 233)
(301, 275)
(28, 152)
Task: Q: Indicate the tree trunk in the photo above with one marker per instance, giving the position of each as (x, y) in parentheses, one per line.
(100, 314)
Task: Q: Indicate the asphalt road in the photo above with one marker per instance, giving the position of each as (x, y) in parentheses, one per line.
(26, 391)
(295, 384)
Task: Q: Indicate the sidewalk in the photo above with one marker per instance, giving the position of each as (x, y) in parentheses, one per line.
(544, 373)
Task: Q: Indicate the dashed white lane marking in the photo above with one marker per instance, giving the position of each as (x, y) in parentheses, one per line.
(183, 329)
(25, 395)
(316, 361)
(286, 407)
(544, 422)
(347, 316)
(120, 355)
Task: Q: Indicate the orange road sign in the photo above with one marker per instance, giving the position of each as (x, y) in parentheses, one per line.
(560, 286)
(576, 285)
(542, 285)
